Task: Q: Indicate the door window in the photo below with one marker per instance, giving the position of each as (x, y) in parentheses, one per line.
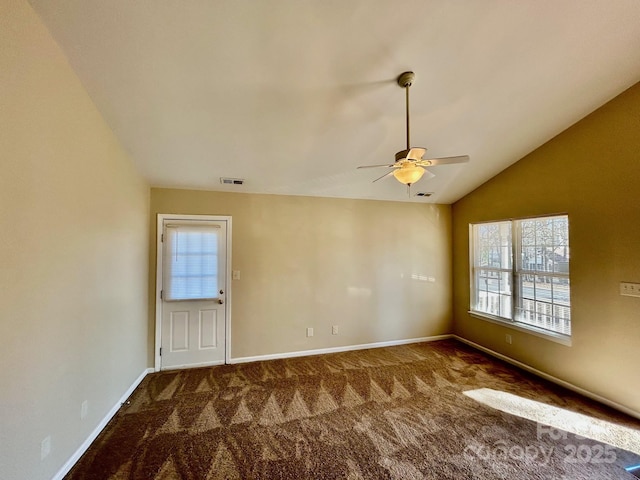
(191, 262)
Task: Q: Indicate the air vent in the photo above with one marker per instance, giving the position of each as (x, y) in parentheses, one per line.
(231, 181)
(424, 194)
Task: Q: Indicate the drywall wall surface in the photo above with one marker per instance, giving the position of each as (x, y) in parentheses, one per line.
(591, 172)
(380, 271)
(73, 255)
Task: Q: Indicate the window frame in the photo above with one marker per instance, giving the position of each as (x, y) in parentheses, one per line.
(515, 271)
(171, 288)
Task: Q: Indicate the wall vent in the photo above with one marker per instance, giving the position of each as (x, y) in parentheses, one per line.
(424, 194)
(231, 181)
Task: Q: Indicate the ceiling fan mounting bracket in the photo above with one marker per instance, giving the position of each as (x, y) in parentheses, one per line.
(406, 79)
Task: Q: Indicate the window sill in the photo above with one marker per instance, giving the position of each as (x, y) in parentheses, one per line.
(538, 332)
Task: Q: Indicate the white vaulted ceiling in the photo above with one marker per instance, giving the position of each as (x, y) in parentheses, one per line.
(293, 95)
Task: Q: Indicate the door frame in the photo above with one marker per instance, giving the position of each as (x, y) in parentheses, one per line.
(161, 217)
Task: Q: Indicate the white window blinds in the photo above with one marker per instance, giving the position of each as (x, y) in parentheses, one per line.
(191, 262)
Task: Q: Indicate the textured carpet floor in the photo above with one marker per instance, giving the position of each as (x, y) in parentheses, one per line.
(388, 413)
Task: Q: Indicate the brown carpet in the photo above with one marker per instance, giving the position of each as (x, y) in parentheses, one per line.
(388, 413)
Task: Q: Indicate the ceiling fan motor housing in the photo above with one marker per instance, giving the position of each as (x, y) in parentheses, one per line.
(401, 155)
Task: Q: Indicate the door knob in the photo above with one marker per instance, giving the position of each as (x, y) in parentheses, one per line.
(221, 292)
(220, 301)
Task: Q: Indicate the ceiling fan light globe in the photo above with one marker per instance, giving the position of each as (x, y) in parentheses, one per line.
(409, 174)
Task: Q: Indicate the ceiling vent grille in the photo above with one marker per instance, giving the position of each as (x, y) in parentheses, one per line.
(424, 194)
(231, 181)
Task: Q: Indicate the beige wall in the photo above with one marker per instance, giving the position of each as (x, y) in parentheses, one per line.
(73, 255)
(592, 172)
(318, 262)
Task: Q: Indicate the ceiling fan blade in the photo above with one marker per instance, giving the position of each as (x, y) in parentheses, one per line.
(443, 161)
(428, 174)
(376, 166)
(383, 176)
(416, 153)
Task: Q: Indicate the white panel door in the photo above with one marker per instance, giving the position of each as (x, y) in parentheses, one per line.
(193, 293)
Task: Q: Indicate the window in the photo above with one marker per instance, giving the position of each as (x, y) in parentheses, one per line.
(191, 262)
(520, 273)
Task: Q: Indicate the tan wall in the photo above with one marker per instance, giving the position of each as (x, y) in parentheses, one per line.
(318, 262)
(73, 255)
(592, 172)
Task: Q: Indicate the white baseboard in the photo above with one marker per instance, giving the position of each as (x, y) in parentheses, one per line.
(348, 348)
(96, 431)
(551, 378)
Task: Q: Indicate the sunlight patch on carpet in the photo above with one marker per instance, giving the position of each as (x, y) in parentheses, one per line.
(559, 418)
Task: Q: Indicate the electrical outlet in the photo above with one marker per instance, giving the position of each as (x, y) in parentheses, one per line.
(45, 447)
(630, 289)
(309, 332)
(334, 330)
(508, 339)
(84, 409)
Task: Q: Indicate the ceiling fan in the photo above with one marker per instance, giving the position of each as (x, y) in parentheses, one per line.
(409, 165)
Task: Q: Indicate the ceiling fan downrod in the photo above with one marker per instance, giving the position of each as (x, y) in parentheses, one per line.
(405, 80)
